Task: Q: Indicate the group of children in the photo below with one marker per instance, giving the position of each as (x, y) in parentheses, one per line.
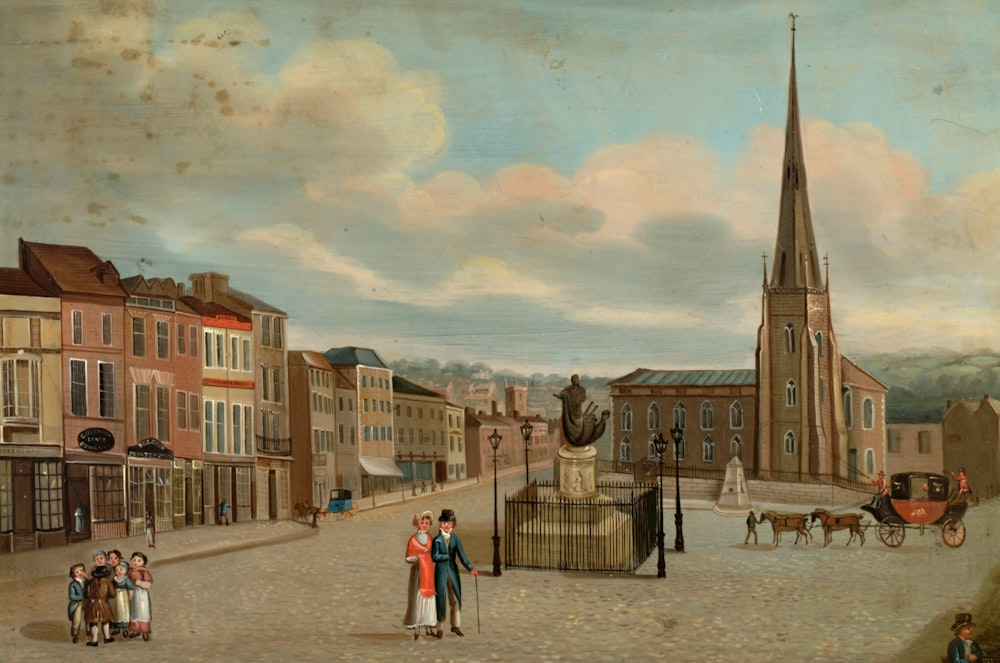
(113, 598)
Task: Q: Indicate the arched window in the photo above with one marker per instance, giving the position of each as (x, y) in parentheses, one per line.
(708, 449)
(736, 415)
(680, 416)
(819, 343)
(680, 450)
(789, 443)
(790, 339)
(625, 451)
(651, 449)
(707, 416)
(848, 407)
(868, 413)
(869, 461)
(822, 391)
(736, 448)
(791, 393)
(626, 417)
(653, 417)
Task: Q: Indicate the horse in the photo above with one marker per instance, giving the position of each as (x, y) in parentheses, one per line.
(832, 523)
(786, 522)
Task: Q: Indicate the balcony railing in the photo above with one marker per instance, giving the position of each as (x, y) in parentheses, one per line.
(274, 446)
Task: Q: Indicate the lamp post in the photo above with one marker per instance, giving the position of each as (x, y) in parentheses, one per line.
(495, 440)
(660, 445)
(526, 429)
(678, 434)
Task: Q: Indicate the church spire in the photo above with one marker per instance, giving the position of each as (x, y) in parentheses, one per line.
(796, 264)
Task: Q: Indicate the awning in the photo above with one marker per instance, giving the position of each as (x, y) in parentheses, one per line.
(378, 466)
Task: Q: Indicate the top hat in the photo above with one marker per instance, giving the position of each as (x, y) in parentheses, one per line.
(962, 619)
(446, 516)
(99, 572)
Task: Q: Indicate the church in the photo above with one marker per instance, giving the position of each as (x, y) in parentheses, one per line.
(806, 412)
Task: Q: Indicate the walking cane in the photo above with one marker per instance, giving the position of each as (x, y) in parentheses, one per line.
(477, 604)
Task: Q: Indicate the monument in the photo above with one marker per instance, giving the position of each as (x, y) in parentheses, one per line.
(734, 500)
(577, 459)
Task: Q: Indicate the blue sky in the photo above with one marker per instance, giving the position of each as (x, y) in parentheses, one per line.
(543, 186)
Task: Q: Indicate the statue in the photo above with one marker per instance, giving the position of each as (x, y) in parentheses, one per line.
(580, 427)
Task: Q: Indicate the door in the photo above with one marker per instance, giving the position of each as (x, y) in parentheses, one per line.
(272, 495)
(22, 498)
(78, 501)
(852, 464)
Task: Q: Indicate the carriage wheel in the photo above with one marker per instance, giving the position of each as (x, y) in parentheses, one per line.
(891, 532)
(953, 533)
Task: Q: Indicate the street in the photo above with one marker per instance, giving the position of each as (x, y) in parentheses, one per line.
(340, 595)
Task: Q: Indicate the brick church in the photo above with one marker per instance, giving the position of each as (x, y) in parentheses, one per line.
(805, 410)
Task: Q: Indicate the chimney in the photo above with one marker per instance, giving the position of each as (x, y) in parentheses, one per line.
(493, 408)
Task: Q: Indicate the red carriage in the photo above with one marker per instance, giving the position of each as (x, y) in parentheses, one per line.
(916, 500)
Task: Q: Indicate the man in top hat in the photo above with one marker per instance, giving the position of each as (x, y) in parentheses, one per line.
(963, 648)
(445, 548)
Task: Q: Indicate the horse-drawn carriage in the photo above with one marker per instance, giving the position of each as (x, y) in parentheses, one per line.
(916, 500)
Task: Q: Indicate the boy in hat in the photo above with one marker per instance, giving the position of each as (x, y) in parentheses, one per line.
(444, 550)
(963, 648)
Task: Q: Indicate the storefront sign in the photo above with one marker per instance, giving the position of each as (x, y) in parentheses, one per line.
(150, 448)
(96, 439)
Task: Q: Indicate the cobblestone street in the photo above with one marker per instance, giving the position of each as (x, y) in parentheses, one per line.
(338, 593)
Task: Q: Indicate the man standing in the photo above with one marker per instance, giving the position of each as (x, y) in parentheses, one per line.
(963, 648)
(751, 529)
(444, 550)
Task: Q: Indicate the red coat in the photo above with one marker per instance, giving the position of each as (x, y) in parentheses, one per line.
(424, 562)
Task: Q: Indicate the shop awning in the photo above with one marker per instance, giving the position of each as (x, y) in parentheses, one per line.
(378, 466)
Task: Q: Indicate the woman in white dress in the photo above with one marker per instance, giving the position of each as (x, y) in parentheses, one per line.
(421, 609)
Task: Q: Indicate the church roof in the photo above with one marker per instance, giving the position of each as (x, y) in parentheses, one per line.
(646, 376)
(859, 377)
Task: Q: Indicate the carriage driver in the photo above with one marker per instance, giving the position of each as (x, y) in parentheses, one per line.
(882, 486)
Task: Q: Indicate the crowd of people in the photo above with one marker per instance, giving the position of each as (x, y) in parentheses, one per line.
(111, 598)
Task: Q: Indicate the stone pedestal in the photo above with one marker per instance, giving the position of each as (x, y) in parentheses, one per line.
(577, 472)
(735, 496)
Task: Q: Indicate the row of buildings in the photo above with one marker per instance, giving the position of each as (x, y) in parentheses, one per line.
(128, 398)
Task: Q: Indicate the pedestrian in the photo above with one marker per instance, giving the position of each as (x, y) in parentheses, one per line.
(140, 610)
(423, 486)
(447, 584)
(150, 531)
(100, 559)
(114, 557)
(74, 610)
(963, 483)
(421, 601)
(98, 593)
(224, 512)
(963, 648)
(123, 597)
(751, 528)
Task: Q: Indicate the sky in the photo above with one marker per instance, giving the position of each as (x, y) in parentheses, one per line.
(551, 186)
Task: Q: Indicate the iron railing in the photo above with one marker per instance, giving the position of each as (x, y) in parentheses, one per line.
(613, 532)
(274, 446)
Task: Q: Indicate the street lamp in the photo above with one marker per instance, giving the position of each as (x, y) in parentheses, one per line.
(526, 428)
(678, 434)
(660, 445)
(495, 440)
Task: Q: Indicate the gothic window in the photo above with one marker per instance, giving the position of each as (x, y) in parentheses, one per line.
(651, 449)
(680, 416)
(791, 393)
(789, 443)
(625, 451)
(822, 391)
(681, 450)
(848, 407)
(736, 448)
(870, 461)
(707, 416)
(736, 415)
(653, 417)
(868, 413)
(819, 343)
(708, 449)
(626, 417)
(789, 339)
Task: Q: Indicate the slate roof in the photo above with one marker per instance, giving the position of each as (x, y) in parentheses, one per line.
(354, 356)
(404, 386)
(646, 376)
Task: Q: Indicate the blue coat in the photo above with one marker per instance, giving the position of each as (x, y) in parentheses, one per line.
(75, 598)
(446, 569)
(956, 652)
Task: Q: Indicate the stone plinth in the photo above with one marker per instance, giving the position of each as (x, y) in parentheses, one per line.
(735, 496)
(579, 536)
(577, 472)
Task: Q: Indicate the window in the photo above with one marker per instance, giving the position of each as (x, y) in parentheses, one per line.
(77, 327)
(220, 426)
(789, 339)
(106, 328)
(181, 339)
(368, 434)
(234, 353)
(626, 417)
(653, 417)
(791, 393)
(220, 349)
(870, 461)
(822, 391)
(194, 411)
(364, 403)
(78, 387)
(20, 380)
(707, 416)
(109, 492)
(364, 381)
(265, 331)
(277, 333)
(163, 340)
(924, 442)
(736, 448)
(651, 449)
(848, 407)
(138, 337)
(868, 413)
(894, 441)
(142, 412)
(194, 341)
(182, 411)
(681, 450)
(162, 413)
(736, 415)
(708, 449)
(106, 384)
(48, 496)
(680, 416)
(209, 426)
(35, 332)
(237, 428)
(819, 343)
(625, 451)
(246, 355)
(340, 433)
(789, 443)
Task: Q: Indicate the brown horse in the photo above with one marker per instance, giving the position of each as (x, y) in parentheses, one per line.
(786, 522)
(832, 523)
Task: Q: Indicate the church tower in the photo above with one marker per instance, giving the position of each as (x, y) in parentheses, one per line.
(800, 413)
